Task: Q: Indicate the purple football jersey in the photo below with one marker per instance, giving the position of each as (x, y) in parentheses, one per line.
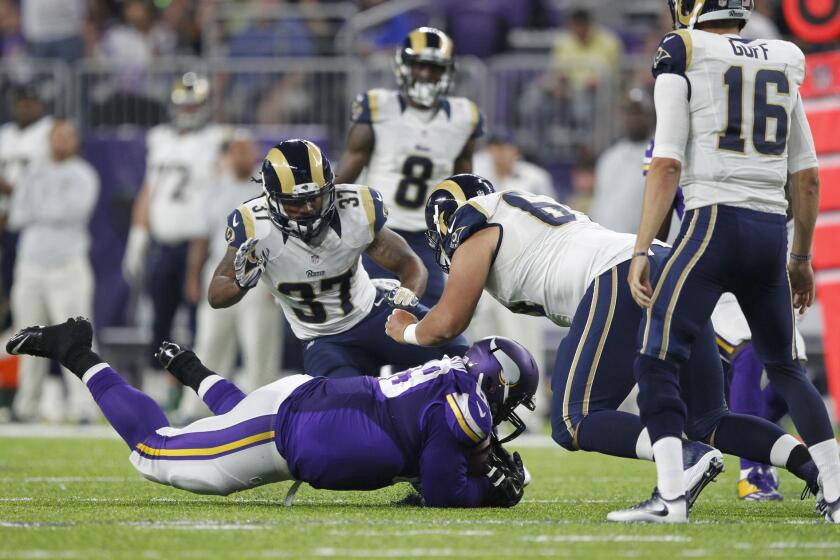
(363, 433)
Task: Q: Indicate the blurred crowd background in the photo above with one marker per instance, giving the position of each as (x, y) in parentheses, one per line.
(565, 87)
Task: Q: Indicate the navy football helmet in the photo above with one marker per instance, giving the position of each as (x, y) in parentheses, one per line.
(189, 102)
(425, 45)
(299, 188)
(688, 13)
(447, 197)
(508, 375)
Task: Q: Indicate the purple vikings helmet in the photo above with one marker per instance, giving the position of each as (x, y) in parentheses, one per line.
(508, 375)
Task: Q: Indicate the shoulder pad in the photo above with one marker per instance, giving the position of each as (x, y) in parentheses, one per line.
(674, 54)
(374, 106)
(465, 113)
(468, 418)
(362, 213)
(467, 220)
(242, 222)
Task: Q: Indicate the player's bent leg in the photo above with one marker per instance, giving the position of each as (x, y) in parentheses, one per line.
(219, 394)
(221, 454)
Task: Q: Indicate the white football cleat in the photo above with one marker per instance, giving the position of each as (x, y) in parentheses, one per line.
(701, 465)
(654, 510)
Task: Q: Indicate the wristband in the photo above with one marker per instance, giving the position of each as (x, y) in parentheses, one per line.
(640, 254)
(800, 258)
(409, 336)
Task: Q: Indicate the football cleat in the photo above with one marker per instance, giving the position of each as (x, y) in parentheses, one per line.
(701, 465)
(831, 511)
(654, 510)
(54, 341)
(760, 485)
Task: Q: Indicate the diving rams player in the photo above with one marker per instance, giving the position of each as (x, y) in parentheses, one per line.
(731, 128)
(181, 161)
(411, 139)
(305, 237)
(431, 424)
(539, 257)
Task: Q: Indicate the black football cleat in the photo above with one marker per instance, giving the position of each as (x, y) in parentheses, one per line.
(55, 341)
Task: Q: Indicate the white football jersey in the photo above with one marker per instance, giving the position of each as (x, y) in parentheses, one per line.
(413, 150)
(179, 169)
(19, 147)
(742, 94)
(548, 256)
(321, 285)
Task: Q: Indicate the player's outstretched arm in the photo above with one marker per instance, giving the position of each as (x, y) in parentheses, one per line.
(357, 154)
(452, 315)
(223, 290)
(390, 251)
(444, 466)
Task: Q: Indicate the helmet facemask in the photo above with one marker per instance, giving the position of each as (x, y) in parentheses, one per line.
(304, 227)
(434, 238)
(424, 94)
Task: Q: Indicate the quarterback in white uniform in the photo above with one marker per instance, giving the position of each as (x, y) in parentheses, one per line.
(539, 257)
(410, 139)
(181, 162)
(731, 127)
(305, 238)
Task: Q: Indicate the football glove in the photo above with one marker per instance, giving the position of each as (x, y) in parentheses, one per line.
(507, 479)
(402, 298)
(247, 266)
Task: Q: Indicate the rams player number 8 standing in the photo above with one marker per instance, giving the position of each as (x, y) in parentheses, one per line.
(412, 139)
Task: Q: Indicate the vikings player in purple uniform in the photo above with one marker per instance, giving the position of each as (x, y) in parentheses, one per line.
(427, 424)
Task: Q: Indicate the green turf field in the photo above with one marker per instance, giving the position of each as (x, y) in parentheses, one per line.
(80, 498)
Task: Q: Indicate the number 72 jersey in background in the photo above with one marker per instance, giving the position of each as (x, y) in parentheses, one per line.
(413, 150)
(321, 285)
(742, 97)
(181, 171)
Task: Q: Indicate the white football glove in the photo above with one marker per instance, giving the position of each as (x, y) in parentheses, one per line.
(247, 266)
(402, 298)
(136, 248)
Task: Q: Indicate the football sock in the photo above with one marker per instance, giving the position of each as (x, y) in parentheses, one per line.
(132, 413)
(826, 457)
(745, 395)
(188, 369)
(80, 359)
(669, 467)
(644, 450)
(610, 432)
(219, 394)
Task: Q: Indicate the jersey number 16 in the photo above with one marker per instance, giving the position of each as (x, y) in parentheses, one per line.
(732, 140)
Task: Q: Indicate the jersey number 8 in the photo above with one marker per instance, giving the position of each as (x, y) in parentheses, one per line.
(763, 111)
(412, 190)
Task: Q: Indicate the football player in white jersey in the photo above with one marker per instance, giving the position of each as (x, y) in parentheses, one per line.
(539, 257)
(410, 139)
(181, 161)
(23, 141)
(730, 128)
(305, 238)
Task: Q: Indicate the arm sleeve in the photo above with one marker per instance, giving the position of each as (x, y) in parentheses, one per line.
(443, 468)
(670, 96)
(801, 151)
